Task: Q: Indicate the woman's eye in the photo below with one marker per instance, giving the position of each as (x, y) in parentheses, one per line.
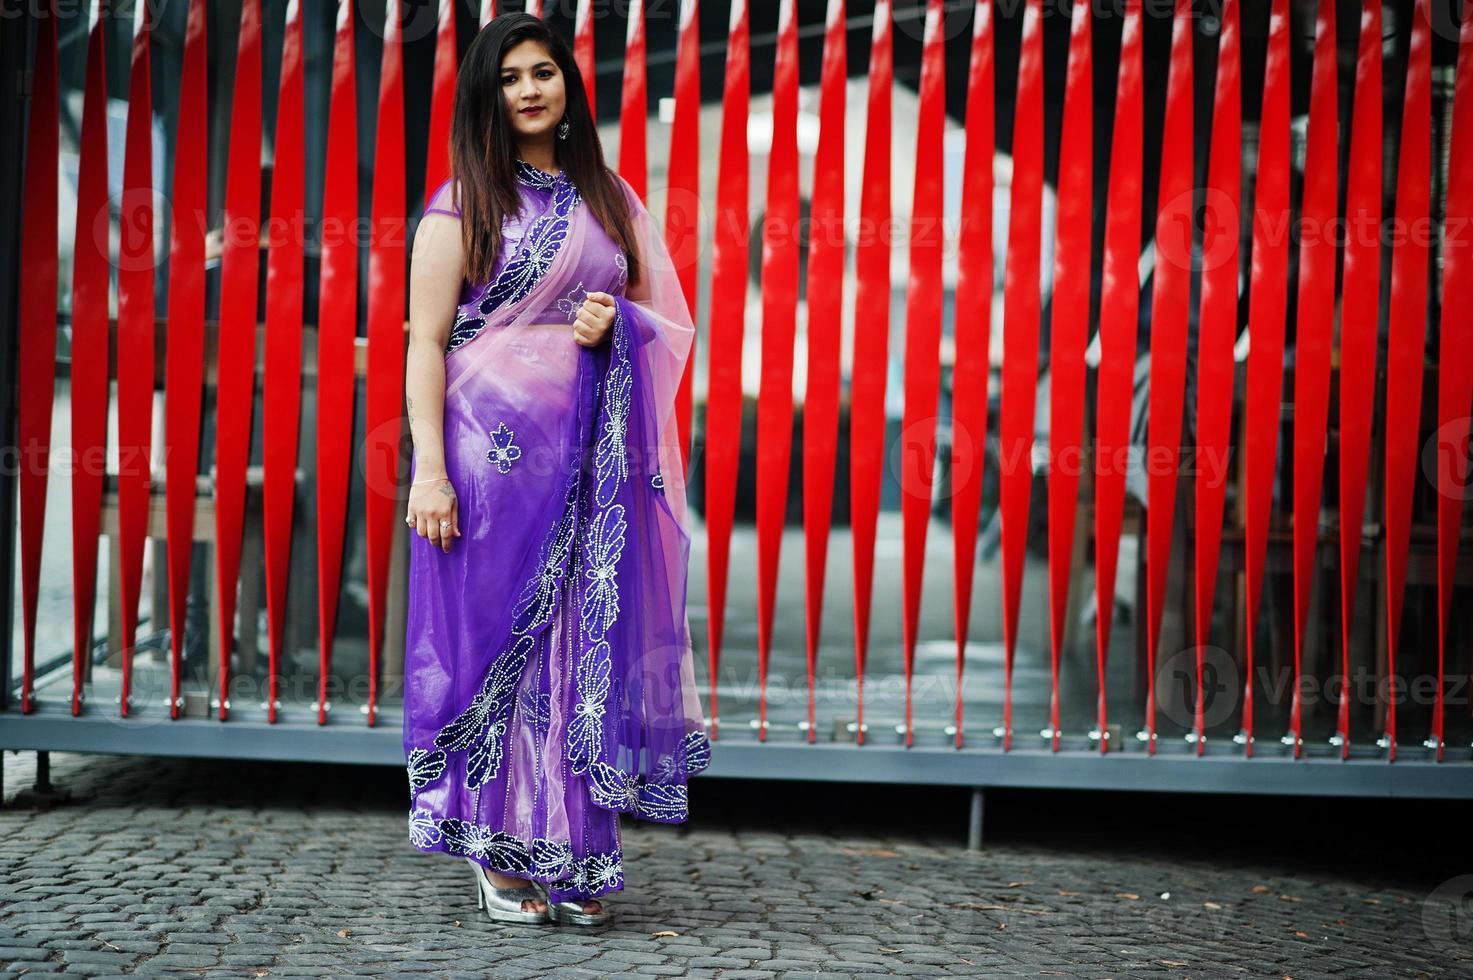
(508, 79)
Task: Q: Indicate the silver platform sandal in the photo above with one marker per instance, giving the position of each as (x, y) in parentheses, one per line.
(505, 904)
(571, 912)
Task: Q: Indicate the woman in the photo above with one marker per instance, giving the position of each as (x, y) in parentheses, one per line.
(548, 671)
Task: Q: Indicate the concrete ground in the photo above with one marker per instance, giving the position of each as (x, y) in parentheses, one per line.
(228, 869)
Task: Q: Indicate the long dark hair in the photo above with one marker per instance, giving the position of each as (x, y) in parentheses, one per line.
(483, 150)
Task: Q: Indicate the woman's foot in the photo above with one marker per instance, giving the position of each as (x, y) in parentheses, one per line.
(590, 906)
(507, 881)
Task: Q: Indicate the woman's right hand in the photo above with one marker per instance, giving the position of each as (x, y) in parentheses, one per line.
(434, 512)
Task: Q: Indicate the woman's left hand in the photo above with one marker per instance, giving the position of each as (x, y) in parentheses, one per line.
(595, 318)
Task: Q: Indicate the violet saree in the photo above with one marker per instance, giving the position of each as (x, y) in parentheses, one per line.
(548, 676)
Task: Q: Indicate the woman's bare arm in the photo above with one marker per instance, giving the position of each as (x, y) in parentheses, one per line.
(435, 277)
(639, 292)
(434, 292)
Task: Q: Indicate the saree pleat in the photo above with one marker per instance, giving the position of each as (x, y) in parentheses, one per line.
(549, 679)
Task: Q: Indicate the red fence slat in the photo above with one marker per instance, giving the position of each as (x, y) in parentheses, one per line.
(583, 51)
(89, 347)
(683, 208)
(184, 356)
(337, 326)
(825, 326)
(973, 334)
(1314, 334)
(442, 100)
(1119, 309)
(240, 270)
(779, 316)
(1406, 334)
(384, 391)
(1266, 304)
(728, 280)
(1217, 321)
(922, 334)
(633, 113)
(1455, 380)
(36, 370)
(1360, 298)
(1170, 296)
(282, 386)
(136, 264)
(1020, 336)
(1069, 334)
(867, 375)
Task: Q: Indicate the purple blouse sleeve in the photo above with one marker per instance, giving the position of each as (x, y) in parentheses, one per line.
(443, 201)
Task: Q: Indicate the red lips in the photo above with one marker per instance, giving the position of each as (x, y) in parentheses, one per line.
(532, 110)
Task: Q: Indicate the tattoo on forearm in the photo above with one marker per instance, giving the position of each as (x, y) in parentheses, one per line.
(409, 404)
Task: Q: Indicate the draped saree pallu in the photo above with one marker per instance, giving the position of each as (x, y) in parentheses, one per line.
(549, 681)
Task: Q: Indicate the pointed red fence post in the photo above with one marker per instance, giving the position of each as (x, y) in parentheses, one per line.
(826, 241)
(683, 200)
(236, 363)
(872, 255)
(1314, 335)
(89, 348)
(1069, 335)
(442, 99)
(384, 391)
(728, 280)
(583, 52)
(337, 328)
(1170, 298)
(922, 335)
(184, 354)
(282, 385)
(1359, 307)
(36, 374)
(1266, 305)
(633, 106)
(1119, 311)
(1217, 325)
(972, 335)
(1406, 334)
(135, 350)
(779, 323)
(1020, 339)
(1455, 380)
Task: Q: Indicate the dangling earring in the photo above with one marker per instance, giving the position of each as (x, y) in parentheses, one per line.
(563, 128)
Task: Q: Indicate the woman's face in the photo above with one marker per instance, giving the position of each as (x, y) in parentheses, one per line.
(533, 88)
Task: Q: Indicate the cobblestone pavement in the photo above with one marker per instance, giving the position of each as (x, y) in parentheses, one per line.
(228, 869)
